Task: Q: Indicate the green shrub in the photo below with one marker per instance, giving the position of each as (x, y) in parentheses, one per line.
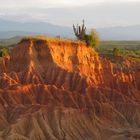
(4, 52)
(0, 53)
(116, 52)
(92, 39)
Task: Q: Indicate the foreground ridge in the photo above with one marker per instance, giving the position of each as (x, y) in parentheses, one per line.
(63, 90)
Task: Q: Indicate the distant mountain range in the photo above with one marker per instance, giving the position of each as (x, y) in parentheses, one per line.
(10, 29)
(120, 33)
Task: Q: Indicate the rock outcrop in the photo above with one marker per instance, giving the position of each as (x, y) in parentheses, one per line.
(52, 89)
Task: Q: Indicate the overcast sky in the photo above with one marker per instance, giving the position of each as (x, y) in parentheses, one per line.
(97, 13)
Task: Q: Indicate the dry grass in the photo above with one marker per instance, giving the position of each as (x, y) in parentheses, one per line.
(51, 40)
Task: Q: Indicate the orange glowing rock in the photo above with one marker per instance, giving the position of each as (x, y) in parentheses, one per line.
(52, 89)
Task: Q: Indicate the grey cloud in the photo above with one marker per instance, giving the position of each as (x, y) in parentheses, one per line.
(96, 15)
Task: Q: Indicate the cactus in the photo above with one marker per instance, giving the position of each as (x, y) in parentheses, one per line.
(91, 39)
(80, 31)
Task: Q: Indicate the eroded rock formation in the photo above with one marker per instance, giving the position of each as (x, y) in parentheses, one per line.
(62, 90)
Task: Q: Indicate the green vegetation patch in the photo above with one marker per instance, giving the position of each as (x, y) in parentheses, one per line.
(4, 51)
(120, 49)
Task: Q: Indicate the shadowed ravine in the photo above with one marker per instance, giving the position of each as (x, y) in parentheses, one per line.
(52, 89)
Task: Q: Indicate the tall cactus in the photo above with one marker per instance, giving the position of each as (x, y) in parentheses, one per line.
(80, 31)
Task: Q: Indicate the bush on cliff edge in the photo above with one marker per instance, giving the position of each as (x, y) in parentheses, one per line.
(91, 39)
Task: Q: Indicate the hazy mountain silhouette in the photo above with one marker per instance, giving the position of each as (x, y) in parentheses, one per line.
(120, 33)
(10, 29)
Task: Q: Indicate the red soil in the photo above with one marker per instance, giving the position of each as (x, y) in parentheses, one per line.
(62, 90)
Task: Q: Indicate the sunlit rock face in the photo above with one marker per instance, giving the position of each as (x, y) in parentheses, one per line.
(52, 89)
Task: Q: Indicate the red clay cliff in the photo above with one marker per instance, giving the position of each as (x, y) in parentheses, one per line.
(52, 89)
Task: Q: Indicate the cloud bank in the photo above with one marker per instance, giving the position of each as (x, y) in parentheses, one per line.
(97, 13)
